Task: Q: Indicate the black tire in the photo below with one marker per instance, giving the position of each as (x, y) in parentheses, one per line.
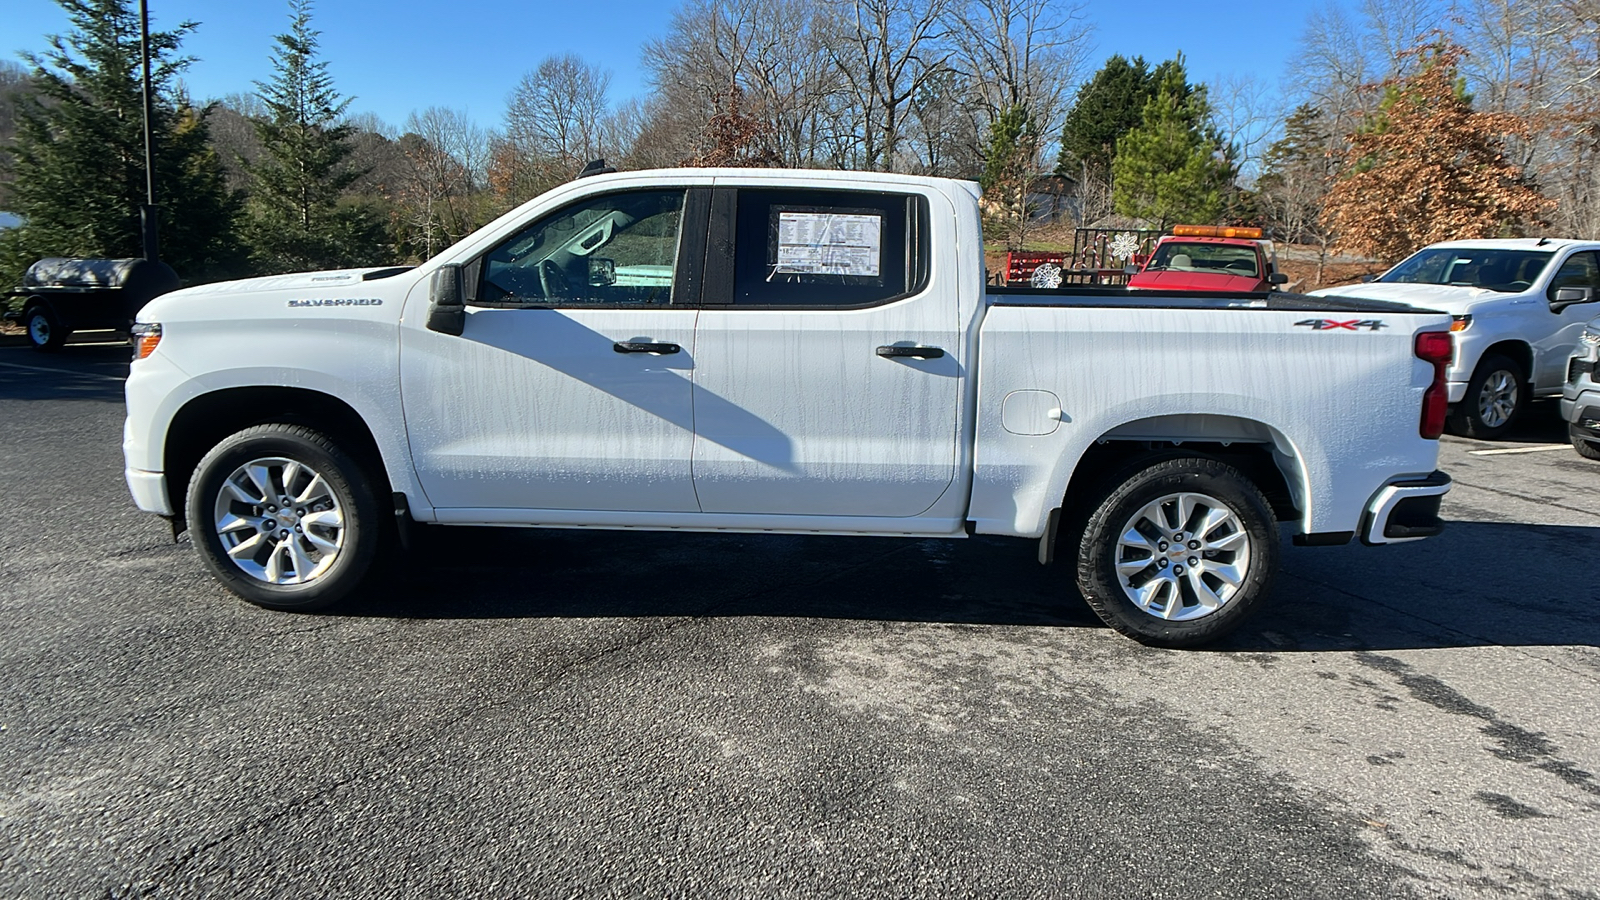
(1467, 418)
(1586, 449)
(45, 332)
(1135, 490)
(347, 489)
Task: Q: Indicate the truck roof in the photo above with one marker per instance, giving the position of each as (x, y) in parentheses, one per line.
(1550, 244)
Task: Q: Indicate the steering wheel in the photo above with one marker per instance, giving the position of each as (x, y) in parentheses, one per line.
(552, 280)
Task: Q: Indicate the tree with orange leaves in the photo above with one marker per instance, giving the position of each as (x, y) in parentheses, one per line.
(1428, 168)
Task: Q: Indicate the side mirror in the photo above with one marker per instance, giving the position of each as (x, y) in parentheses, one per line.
(1571, 296)
(447, 313)
(1130, 270)
(1277, 278)
(1368, 278)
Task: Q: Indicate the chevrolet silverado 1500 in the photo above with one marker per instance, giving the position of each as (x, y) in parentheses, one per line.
(781, 351)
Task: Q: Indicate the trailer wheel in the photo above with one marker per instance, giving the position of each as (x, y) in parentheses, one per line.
(1179, 553)
(45, 333)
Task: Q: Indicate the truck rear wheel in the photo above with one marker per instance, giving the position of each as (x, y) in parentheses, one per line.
(1178, 554)
(1496, 395)
(45, 334)
(283, 517)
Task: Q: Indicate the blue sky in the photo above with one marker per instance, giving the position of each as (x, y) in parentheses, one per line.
(400, 56)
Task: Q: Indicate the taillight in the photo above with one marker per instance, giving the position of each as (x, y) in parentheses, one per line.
(1435, 347)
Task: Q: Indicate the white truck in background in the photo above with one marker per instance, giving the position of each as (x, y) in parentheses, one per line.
(1517, 307)
(781, 351)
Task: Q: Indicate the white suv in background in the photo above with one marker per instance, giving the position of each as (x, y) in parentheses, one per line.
(1580, 399)
(1518, 306)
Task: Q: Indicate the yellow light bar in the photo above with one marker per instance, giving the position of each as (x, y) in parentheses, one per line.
(1223, 231)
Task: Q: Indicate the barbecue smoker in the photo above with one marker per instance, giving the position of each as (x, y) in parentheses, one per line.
(66, 295)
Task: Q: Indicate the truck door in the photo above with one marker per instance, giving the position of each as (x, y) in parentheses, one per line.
(827, 355)
(1581, 269)
(569, 387)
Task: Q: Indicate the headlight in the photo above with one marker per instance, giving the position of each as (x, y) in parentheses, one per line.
(145, 338)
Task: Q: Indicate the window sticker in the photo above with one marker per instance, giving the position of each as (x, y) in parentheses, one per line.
(847, 244)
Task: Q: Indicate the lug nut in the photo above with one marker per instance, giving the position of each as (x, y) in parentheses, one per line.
(1162, 564)
(298, 530)
(284, 533)
(268, 525)
(1162, 546)
(271, 508)
(1193, 561)
(1177, 570)
(1194, 545)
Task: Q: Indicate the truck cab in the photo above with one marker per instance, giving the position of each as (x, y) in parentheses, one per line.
(1210, 258)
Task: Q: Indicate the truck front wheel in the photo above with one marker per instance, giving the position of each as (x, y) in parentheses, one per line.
(1496, 395)
(283, 517)
(1179, 553)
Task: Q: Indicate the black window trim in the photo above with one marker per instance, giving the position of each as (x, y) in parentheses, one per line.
(1550, 290)
(720, 267)
(688, 267)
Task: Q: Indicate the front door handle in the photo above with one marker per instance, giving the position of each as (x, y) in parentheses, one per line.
(892, 351)
(644, 347)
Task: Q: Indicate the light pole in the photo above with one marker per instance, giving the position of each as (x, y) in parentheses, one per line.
(149, 219)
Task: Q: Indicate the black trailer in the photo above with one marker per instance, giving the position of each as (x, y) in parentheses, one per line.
(61, 296)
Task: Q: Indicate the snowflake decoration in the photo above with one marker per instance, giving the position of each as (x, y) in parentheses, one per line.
(1124, 245)
(1047, 276)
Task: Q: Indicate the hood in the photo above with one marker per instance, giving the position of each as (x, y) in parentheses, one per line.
(294, 281)
(1444, 297)
(1183, 280)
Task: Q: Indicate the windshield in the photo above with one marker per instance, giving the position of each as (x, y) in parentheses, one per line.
(1223, 259)
(1497, 270)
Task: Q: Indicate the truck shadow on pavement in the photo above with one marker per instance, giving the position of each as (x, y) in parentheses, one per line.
(1479, 584)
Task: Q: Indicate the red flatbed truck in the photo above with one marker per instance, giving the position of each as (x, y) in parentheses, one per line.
(1210, 258)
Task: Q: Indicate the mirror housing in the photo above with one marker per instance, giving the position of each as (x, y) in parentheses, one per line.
(1277, 278)
(1571, 296)
(1130, 269)
(447, 311)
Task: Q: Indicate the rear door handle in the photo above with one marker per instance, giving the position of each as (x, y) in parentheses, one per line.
(891, 351)
(644, 347)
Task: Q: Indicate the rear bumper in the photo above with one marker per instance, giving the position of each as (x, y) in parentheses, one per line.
(1405, 510)
(149, 491)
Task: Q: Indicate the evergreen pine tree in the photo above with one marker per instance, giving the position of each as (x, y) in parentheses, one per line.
(1170, 168)
(1109, 106)
(1010, 162)
(78, 155)
(298, 217)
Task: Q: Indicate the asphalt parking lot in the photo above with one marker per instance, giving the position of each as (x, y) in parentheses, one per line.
(554, 713)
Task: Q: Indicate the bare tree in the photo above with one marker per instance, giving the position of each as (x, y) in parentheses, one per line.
(553, 124)
(1025, 53)
(889, 50)
(448, 157)
(1246, 111)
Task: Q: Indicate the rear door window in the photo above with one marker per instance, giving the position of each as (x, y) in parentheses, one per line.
(799, 248)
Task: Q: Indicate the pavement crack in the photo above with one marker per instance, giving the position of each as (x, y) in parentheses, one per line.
(1516, 744)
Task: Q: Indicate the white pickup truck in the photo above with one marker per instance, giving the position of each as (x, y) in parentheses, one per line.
(781, 351)
(1517, 305)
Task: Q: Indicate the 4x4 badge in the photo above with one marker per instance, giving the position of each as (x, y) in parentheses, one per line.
(1335, 324)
